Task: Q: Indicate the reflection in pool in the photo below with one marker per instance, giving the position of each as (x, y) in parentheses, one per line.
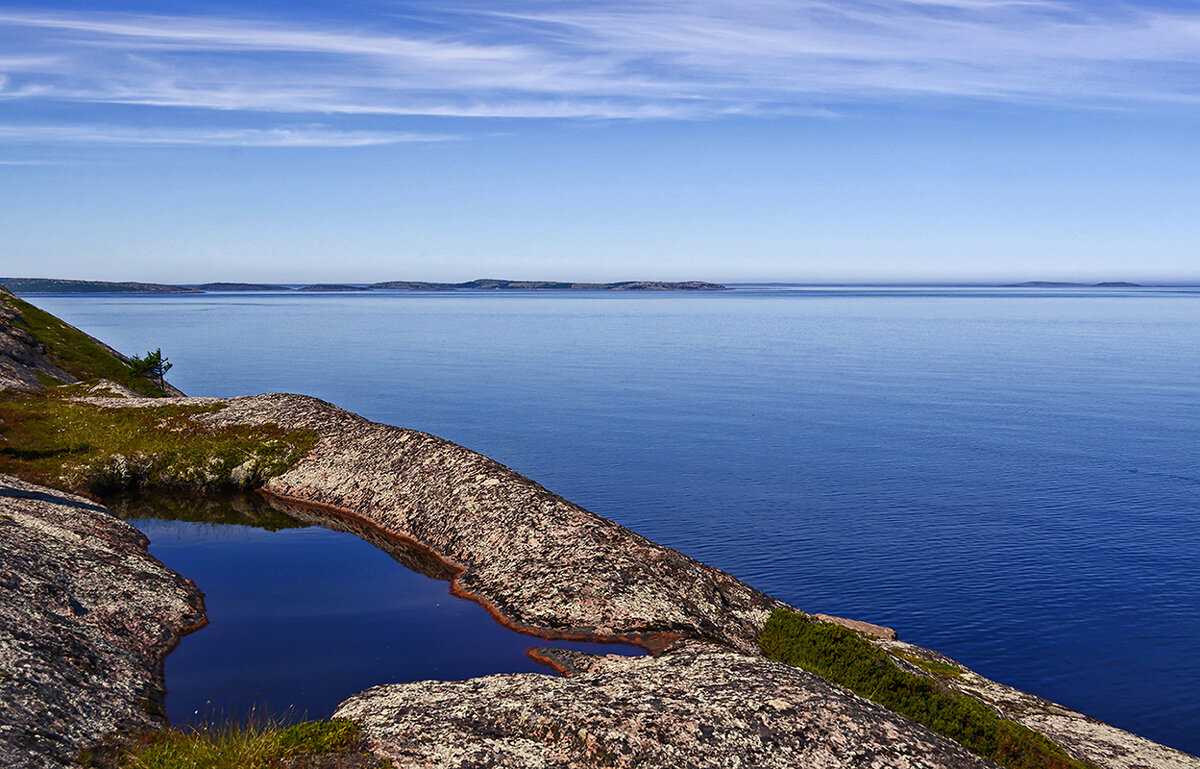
(302, 616)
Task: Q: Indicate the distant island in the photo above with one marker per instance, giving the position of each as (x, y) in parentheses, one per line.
(494, 284)
(55, 286)
(241, 287)
(1056, 284)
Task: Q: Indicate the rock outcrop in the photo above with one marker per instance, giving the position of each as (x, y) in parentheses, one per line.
(23, 362)
(700, 706)
(26, 363)
(86, 619)
(547, 567)
(539, 563)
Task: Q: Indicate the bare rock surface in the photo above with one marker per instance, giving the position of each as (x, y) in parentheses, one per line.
(22, 359)
(540, 563)
(858, 626)
(86, 618)
(700, 706)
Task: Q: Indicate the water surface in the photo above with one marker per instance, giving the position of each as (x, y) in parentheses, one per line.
(301, 617)
(1009, 476)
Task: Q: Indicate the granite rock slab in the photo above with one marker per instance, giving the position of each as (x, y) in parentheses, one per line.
(699, 706)
(86, 619)
(539, 563)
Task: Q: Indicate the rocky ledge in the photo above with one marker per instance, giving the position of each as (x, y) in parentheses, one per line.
(1081, 735)
(24, 364)
(699, 706)
(87, 618)
(547, 567)
(539, 563)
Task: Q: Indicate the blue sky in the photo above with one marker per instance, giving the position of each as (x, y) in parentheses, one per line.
(809, 141)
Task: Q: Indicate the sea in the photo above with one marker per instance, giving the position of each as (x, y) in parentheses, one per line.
(1010, 476)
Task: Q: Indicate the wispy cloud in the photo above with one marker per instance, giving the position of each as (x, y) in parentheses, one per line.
(307, 136)
(4, 162)
(652, 59)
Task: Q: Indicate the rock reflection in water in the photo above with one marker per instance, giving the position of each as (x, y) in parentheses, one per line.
(411, 555)
(302, 616)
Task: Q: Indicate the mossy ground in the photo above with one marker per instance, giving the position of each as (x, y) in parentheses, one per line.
(334, 744)
(50, 439)
(74, 351)
(845, 658)
(930, 666)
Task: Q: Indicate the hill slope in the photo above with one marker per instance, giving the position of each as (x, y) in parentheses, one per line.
(37, 350)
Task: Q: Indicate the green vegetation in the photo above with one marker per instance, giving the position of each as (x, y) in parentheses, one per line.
(845, 658)
(74, 351)
(930, 666)
(153, 366)
(51, 440)
(236, 746)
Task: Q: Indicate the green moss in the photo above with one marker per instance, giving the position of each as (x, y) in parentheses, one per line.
(237, 746)
(845, 658)
(74, 351)
(930, 666)
(51, 440)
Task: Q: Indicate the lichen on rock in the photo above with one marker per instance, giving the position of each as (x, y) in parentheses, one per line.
(87, 618)
(540, 563)
(698, 706)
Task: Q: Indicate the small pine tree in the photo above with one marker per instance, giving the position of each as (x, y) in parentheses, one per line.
(152, 366)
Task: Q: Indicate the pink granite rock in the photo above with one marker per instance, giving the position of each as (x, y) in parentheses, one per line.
(699, 706)
(86, 619)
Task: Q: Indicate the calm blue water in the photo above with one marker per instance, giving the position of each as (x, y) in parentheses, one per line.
(1008, 476)
(302, 618)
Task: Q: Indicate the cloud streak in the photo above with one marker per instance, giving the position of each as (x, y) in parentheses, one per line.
(651, 59)
(306, 136)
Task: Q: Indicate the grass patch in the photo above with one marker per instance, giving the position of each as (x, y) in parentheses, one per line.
(843, 657)
(50, 440)
(930, 666)
(239, 746)
(74, 351)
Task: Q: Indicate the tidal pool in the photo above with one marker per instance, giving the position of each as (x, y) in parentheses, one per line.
(302, 616)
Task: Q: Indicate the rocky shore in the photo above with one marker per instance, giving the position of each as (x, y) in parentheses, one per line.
(700, 706)
(547, 567)
(87, 617)
(86, 621)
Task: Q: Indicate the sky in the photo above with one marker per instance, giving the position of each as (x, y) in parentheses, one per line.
(807, 141)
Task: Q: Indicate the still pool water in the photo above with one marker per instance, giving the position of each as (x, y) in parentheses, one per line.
(1010, 476)
(301, 617)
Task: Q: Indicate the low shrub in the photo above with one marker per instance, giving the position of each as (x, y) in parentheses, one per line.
(845, 658)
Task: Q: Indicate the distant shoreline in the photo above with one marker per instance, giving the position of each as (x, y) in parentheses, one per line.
(57, 286)
(60, 286)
